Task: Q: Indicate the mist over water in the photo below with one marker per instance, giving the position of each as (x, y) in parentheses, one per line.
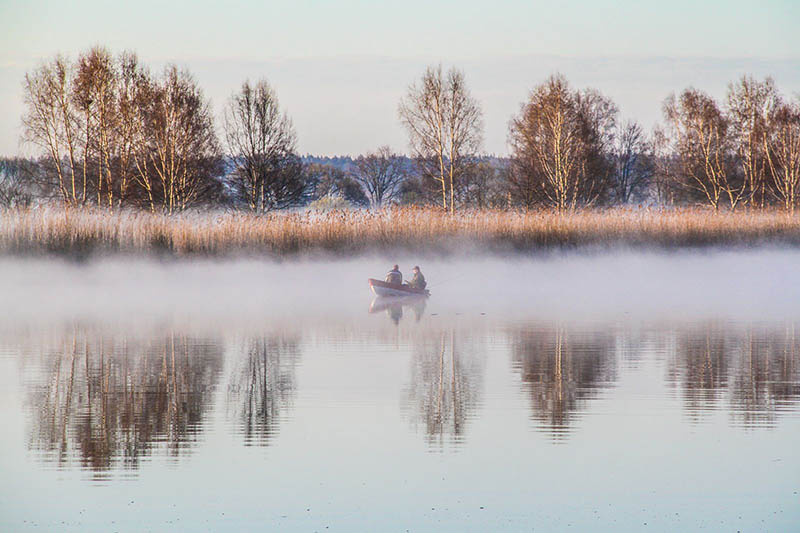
(600, 391)
(748, 284)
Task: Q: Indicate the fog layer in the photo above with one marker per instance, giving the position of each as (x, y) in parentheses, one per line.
(756, 284)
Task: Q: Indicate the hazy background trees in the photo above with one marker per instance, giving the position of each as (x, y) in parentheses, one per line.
(633, 165)
(445, 128)
(332, 179)
(380, 174)
(14, 191)
(483, 184)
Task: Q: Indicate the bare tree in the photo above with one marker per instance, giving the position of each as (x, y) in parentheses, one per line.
(105, 124)
(700, 139)
(445, 127)
(750, 106)
(261, 144)
(782, 148)
(93, 94)
(560, 144)
(131, 87)
(633, 166)
(50, 122)
(380, 174)
(177, 151)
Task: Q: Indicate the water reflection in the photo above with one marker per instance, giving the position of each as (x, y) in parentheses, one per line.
(767, 379)
(701, 366)
(106, 400)
(561, 369)
(751, 370)
(263, 386)
(393, 307)
(445, 387)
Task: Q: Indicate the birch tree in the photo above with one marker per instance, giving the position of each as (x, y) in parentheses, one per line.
(50, 123)
(178, 149)
(131, 88)
(782, 148)
(445, 127)
(560, 145)
(93, 94)
(750, 105)
(700, 139)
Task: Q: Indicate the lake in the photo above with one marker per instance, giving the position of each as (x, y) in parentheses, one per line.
(601, 391)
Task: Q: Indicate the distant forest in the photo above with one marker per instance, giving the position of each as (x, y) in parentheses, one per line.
(110, 133)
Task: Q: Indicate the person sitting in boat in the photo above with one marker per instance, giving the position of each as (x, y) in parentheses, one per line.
(394, 276)
(417, 280)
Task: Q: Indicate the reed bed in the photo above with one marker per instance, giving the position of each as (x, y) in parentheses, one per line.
(82, 232)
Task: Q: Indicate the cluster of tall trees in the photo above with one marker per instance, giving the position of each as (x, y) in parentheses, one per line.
(562, 142)
(570, 150)
(111, 133)
(743, 151)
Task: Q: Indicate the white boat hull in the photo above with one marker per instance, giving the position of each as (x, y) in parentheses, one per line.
(381, 288)
(388, 292)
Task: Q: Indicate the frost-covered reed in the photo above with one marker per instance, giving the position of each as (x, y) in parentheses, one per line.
(80, 232)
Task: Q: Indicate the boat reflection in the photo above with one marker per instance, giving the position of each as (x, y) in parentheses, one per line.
(107, 401)
(393, 306)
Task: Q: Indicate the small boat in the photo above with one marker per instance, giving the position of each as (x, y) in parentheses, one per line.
(381, 288)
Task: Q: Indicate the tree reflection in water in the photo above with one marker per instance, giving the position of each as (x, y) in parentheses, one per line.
(561, 370)
(445, 388)
(767, 379)
(752, 368)
(701, 366)
(106, 401)
(263, 386)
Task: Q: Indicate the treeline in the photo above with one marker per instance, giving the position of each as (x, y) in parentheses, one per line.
(112, 133)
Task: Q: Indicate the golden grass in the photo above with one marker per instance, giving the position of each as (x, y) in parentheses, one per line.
(80, 232)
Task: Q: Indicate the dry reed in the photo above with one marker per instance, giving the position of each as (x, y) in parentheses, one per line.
(80, 232)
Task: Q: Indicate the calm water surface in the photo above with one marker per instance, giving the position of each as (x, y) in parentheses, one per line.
(511, 409)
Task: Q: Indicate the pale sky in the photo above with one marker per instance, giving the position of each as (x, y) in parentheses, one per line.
(340, 67)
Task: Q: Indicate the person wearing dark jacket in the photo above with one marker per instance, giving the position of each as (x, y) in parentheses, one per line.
(417, 280)
(394, 276)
